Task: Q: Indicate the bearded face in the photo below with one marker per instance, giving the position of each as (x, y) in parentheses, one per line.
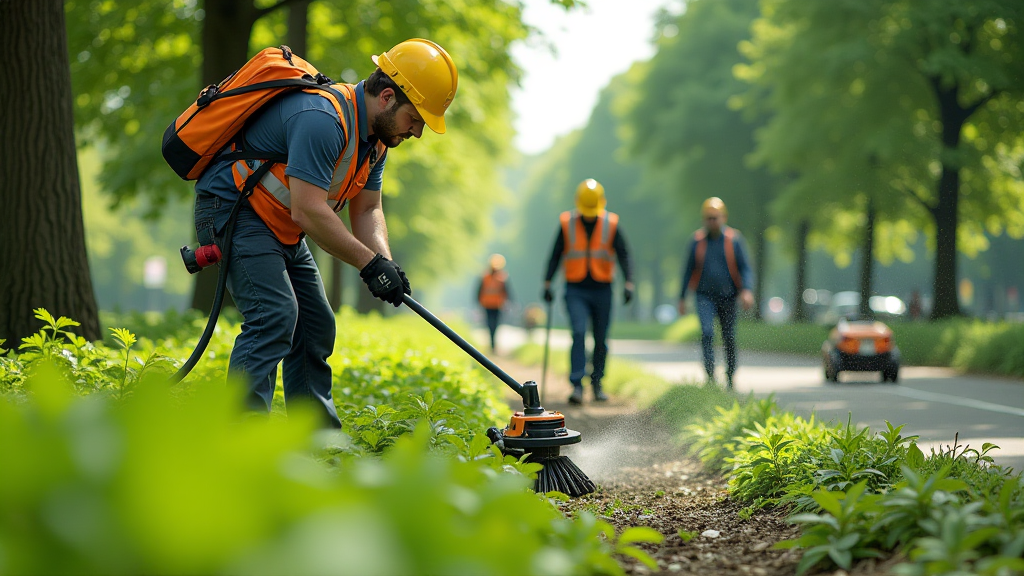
(386, 127)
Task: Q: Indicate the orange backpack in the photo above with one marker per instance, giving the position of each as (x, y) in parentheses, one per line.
(192, 141)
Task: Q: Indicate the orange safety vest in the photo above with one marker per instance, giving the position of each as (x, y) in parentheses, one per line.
(701, 238)
(492, 290)
(272, 199)
(596, 254)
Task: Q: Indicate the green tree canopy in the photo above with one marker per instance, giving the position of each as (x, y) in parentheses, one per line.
(685, 117)
(917, 102)
(136, 66)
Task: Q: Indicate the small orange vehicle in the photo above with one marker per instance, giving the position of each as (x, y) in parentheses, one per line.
(861, 346)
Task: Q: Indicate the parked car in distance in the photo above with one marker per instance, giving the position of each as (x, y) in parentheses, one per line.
(860, 346)
(847, 305)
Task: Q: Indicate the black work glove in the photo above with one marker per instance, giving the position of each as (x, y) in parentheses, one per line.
(385, 280)
(627, 296)
(549, 296)
(406, 287)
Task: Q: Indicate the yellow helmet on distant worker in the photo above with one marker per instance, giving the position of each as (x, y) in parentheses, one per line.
(426, 74)
(714, 203)
(497, 261)
(590, 200)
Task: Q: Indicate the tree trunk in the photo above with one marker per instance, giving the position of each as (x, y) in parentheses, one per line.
(946, 212)
(799, 313)
(759, 264)
(365, 302)
(225, 39)
(337, 282)
(298, 20)
(946, 303)
(45, 263)
(867, 262)
(657, 279)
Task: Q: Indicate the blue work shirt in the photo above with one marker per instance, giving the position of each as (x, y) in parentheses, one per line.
(715, 280)
(306, 128)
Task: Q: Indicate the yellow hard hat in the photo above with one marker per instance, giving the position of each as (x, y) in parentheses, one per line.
(713, 203)
(590, 199)
(497, 261)
(426, 74)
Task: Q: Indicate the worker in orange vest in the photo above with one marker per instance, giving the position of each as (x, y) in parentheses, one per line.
(718, 271)
(493, 292)
(590, 240)
(336, 143)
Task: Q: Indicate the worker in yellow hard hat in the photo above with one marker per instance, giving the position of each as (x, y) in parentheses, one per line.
(590, 240)
(718, 271)
(336, 143)
(493, 293)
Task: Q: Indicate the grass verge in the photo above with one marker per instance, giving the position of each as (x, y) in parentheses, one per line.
(965, 344)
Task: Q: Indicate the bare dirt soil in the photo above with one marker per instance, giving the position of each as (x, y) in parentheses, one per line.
(645, 478)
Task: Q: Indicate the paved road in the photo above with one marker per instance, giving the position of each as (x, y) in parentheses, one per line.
(934, 403)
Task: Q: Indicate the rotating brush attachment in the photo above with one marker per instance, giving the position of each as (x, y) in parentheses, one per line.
(540, 436)
(559, 473)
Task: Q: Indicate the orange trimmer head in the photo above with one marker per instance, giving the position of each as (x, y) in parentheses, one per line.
(541, 436)
(534, 431)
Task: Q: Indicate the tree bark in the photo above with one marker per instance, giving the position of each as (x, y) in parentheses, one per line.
(657, 279)
(946, 212)
(799, 312)
(337, 282)
(867, 263)
(298, 21)
(759, 264)
(365, 302)
(45, 263)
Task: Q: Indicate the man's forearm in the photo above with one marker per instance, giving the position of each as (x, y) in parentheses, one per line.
(370, 228)
(330, 233)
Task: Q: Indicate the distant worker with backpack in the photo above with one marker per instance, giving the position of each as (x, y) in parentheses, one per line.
(718, 272)
(306, 154)
(590, 240)
(493, 292)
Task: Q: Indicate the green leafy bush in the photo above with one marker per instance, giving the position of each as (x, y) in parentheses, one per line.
(109, 469)
(160, 483)
(860, 495)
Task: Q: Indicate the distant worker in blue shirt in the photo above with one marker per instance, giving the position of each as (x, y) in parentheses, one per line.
(718, 271)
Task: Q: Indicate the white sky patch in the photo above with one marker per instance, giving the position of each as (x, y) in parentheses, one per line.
(592, 44)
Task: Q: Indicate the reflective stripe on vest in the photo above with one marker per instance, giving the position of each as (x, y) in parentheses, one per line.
(701, 238)
(492, 290)
(595, 255)
(272, 197)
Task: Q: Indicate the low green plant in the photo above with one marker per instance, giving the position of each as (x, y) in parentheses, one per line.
(714, 442)
(766, 467)
(687, 536)
(838, 534)
(858, 495)
(91, 368)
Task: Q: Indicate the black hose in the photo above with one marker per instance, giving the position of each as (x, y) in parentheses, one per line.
(218, 299)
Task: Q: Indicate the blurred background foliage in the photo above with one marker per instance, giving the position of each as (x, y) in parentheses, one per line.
(809, 123)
